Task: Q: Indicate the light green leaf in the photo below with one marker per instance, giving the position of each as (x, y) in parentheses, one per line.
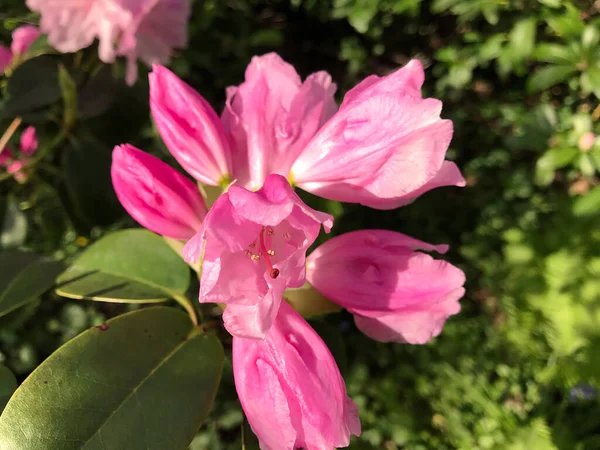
(68, 88)
(548, 77)
(144, 380)
(589, 204)
(568, 24)
(522, 38)
(127, 266)
(555, 53)
(24, 277)
(8, 384)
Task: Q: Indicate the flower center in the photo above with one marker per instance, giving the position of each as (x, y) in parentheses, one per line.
(264, 250)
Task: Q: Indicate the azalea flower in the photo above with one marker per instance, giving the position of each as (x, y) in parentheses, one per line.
(291, 389)
(394, 290)
(157, 196)
(142, 29)
(384, 147)
(22, 38)
(253, 246)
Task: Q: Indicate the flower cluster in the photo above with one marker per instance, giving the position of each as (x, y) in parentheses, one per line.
(141, 29)
(13, 162)
(382, 148)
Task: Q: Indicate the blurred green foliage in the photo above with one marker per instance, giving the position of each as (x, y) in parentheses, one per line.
(519, 367)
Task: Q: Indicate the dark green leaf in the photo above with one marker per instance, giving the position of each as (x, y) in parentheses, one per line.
(87, 167)
(249, 439)
(548, 77)
(144, 380)
(8, 384)
(126, 266)
(40, 47)
(332, 336)
(24, 277)
(98, 94)
(32, 85)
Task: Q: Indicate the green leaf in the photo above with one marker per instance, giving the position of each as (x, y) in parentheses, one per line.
(32, 85)
(68, 88)
(8, 384)
(24, 277)
(555, 53)
(144, 380)
(522, 38)
(86, 164)
(568, 24)
(40, 47)
(99, 93)
(590, 81)
(590, 36)
(548, 77)
(127, 266)
(589, 204)
(332, 336)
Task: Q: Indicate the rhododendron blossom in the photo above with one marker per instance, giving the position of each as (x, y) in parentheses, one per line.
(14, 165)
(156, 195)
(142, 29)
(291, 389)
(22, 38)
(383, 148)
(396, 292)
(253, 246)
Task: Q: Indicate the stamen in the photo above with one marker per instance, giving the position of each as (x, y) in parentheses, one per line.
(273, 273)
(270, 231)
(255, 258)
(286, 236)
(252, 245)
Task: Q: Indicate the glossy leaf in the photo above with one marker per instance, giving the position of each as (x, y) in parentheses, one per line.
(127, 266)
(144, 380)
(24, 277)
(33, 85)
(8, 384)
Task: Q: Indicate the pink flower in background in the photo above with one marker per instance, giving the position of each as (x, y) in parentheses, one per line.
(586, 141)
(22, 38)
(14, 165)
(140, 29)
(156, 195)
(29, 142)
(253, 246)
(383, 148)
(291, 389)
(395, 292)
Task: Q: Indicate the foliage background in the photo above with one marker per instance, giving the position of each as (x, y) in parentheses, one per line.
(519, 367)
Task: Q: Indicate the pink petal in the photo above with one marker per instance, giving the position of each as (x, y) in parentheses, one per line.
(414, 325)
(189, 127)
(5, 58)
(23, 37)
(29, 141)
(155, 195)
(311, 401)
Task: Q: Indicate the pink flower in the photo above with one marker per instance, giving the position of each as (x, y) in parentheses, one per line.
(156, 195)
(143, 29)
(6, 157)
(586, 141)
(189, 127)
(383, 148)
(291, 389)
(272, 115)
(29, 142)
(395, 292)
(22, 38)
(15, 168)
(254, 246)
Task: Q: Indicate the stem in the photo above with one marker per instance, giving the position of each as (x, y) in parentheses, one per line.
(187, 305)
(9, 132)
